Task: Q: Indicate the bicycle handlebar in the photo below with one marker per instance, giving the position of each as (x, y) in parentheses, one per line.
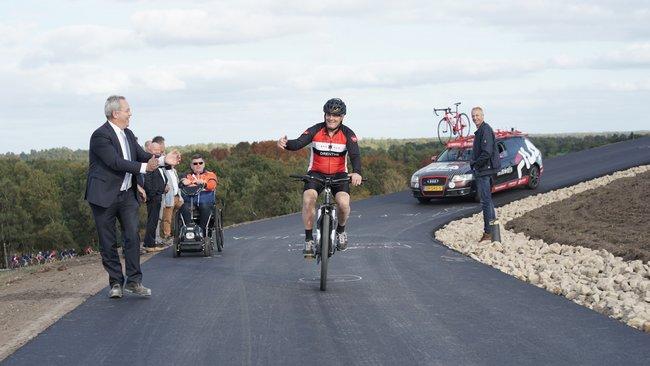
(436, 110)
(192, 190)
(326, 181)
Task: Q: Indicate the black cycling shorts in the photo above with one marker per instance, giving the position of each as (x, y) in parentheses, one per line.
(318, 186)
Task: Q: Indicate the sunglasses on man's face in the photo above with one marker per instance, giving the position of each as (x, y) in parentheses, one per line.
(197, 163)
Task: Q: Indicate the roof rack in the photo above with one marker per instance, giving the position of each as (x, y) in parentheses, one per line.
(468, 141)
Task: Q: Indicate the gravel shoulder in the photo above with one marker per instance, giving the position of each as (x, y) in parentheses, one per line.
(33, 298)
(587, 242)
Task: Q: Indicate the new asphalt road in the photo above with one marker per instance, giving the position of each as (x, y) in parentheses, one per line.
(396, 297)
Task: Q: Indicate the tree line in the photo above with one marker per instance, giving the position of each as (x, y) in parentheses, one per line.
(42, 205)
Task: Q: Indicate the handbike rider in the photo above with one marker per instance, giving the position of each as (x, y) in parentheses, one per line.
(331, 143)
(198, 175)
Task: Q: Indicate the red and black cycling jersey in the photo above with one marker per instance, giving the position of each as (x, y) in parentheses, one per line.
(329, 154)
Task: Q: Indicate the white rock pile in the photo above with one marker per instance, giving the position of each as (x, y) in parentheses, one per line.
(592, 278)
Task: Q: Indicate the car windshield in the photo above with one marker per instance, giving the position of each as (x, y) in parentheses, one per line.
(455, 154)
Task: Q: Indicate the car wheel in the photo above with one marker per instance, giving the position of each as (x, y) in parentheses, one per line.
(533, 177)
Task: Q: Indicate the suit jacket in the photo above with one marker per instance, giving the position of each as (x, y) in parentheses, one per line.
(106, 165)
(154, 184)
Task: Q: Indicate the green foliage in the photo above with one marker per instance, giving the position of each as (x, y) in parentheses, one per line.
(42, 204)
(59, 153)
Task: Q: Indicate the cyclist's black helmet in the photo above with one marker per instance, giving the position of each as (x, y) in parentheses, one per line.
(334, 106)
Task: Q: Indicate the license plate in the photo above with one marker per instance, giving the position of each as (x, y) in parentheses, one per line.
(433, 188)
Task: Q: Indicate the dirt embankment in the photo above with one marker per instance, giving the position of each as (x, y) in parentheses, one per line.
(613, 217)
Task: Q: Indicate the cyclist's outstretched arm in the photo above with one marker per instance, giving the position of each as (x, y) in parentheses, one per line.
(304, 139)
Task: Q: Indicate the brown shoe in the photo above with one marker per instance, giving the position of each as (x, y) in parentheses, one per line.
(137, 288)
(486, 236)
(153, 249)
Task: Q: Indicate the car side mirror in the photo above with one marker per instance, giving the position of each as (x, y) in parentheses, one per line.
(434, 157)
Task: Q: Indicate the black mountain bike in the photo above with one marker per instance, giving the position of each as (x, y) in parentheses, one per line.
(325, 224)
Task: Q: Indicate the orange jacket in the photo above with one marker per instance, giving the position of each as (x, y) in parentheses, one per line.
(210, 179)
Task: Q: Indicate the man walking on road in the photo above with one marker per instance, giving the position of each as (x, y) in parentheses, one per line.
(485, 164)
(115, 159)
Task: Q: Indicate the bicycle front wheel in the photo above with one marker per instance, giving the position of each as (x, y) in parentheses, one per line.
(324, 249)
(444, 131)
(465, 125)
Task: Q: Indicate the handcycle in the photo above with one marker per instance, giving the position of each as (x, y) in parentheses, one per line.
(326, 222)
(190, 236)
(452, 125)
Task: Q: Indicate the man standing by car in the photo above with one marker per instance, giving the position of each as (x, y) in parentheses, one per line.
(485, 164)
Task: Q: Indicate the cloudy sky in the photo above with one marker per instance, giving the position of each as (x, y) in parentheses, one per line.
(230, 71)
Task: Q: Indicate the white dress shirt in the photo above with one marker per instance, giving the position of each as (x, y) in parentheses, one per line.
(126, 154)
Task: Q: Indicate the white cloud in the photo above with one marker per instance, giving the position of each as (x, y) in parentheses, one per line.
(632, 56)
(627, 86)
(15, 34)
(202, 27)
(564, 20)
(411, 73)
(234, 76)
(158, 79)
(74, 43)
(65, 80)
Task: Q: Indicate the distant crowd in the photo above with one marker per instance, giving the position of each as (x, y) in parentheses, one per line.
(44, 256)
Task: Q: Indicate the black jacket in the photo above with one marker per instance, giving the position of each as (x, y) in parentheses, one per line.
(154, 184)
(107, 166)
(485, 153)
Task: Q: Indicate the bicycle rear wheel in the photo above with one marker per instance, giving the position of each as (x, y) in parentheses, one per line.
(444, 131)
(324, 249)
(464, 120)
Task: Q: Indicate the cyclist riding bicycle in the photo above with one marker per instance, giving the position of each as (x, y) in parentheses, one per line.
(331, 143)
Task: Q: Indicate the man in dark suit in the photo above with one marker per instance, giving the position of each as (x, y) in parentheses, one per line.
(155, 185)
(115, 160)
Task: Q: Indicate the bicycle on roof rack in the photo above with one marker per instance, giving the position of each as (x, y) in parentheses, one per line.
(453, 125)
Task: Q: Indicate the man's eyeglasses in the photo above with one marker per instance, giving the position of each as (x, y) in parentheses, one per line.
(197, 163)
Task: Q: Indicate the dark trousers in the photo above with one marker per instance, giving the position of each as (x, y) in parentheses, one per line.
(485, 191)
(204, 212)
(153, 215)
(124, 209)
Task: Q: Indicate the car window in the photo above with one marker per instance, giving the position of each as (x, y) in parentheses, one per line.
(455, 155)
(503, 152)
(512, 145)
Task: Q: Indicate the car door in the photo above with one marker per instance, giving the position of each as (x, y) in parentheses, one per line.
(506, 156)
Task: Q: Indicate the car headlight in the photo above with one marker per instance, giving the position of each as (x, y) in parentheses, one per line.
(415, 181)
(462, 177)
(189, 236)
(460, 180)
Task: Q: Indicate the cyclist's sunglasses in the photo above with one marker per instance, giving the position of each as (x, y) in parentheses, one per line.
(197, 163)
